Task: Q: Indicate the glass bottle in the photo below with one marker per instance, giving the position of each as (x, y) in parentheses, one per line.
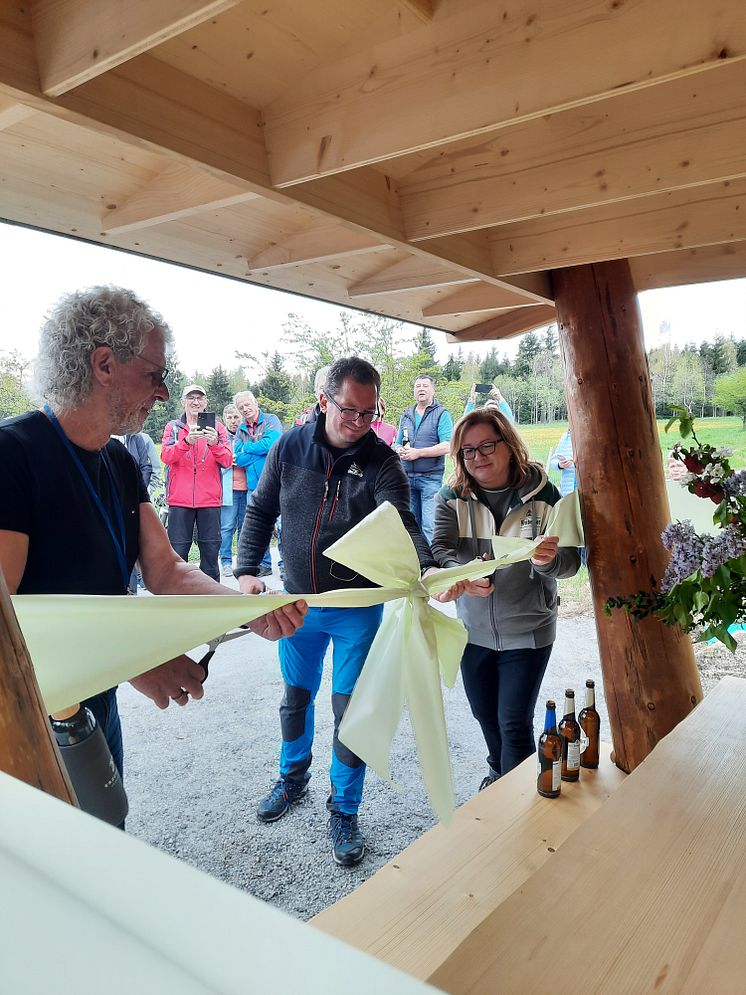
(590, 724)
(549, 756)
(570, 732)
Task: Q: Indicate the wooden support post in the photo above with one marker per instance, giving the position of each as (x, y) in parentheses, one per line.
(650, 675)
(27, 747)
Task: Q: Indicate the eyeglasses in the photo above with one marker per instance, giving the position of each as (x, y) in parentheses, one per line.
(352, 414)
(468, 453)
(158, 376)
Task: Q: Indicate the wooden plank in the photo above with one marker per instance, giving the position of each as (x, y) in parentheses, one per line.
(12, 112)
(422, 9)
(476, 297)
(676, 135)
(649, 894)
(77, 40)
(176, 192)
(423, 904)
(686, 219)
(314, 244)
(28, 750)
(483, 67)
(505, 326)
(409, 274)
(704, 265)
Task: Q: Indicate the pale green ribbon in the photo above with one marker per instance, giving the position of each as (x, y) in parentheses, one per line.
(82, 645)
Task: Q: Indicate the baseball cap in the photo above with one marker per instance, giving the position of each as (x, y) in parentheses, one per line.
(193, 386)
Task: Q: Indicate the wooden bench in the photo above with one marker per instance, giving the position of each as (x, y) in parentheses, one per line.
(421, 906)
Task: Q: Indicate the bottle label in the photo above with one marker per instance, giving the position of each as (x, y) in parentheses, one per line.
(556, 775)
(573, 755)
(584, 741)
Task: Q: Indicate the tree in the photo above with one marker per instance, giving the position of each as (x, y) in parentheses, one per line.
(452, 369)
(688, 381)
(528, 348)
(551, 342)
(741, 352)
(14, 397)
(491, 367)
(425, 353)
(167, 411)
(218, 387)
(724, 355)
(730, 393)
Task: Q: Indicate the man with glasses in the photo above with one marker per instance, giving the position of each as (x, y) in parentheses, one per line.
(75, 515)
(325, 477)
(194, 492)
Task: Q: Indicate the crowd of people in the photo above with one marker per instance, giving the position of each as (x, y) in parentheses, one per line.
(81, 521)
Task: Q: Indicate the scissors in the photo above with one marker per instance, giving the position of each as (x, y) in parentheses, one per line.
(213, 644)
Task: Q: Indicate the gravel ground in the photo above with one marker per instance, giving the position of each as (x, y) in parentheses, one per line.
(194, 775)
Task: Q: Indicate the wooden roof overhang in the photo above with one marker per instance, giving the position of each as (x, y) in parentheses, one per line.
(431, 160)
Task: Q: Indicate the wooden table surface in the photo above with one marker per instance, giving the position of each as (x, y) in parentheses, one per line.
(649, 894)
(419, 907)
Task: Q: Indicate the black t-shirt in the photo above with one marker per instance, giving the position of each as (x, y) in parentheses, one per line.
(43, 496)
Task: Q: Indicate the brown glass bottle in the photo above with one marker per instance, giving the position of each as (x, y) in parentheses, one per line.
(549, 756)
(570, 732)
(590, 723)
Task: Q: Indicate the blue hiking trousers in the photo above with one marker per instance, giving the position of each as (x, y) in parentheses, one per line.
(351, 631)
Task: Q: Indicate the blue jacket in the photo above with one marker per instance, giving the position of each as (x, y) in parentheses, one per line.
(251, 448)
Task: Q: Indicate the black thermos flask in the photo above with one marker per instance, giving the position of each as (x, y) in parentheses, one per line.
(91, 767)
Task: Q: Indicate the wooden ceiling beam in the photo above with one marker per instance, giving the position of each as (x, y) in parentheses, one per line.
(77, 40)
(703, 216)
(316, 244)
(178, 191)
(476, 297)
(12, 112)
(685, 266)
(414, 273)
(485, 67)
(679, 134)
(506, 326)
(151, 105)
(422, 9)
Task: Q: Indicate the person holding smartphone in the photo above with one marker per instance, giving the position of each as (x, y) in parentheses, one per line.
(494, 399)
(195, 448)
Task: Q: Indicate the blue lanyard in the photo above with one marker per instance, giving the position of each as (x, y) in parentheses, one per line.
(120, 541)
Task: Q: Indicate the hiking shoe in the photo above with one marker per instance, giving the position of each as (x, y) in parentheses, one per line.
(264, 572)
(347, 840)
(284, 793)
(226, 570)
(490, 779)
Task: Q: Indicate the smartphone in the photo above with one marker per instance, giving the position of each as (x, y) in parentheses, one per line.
(482, 388)
(206, 419)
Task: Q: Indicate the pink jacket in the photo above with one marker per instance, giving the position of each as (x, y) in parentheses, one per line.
(194, 471)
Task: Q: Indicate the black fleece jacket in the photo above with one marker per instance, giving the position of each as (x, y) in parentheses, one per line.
(320, 499)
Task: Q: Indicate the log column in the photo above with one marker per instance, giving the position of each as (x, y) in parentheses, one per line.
(27, 747)
(651, 680)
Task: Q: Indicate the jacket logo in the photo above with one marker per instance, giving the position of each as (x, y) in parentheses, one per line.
(527, 523)
(355, 470)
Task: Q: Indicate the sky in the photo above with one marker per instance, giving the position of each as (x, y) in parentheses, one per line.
(202, 309)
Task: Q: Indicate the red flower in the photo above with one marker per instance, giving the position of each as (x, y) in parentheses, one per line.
(693, 465)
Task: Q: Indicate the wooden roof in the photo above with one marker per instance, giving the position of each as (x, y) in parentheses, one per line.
(431, 160)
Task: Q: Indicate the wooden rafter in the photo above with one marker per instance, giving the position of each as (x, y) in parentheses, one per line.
(315, 244)
(475, 297)
(704, 216)
(414, 273)
(176, 192)
(505, 326)
(682, 133)
(77, 40)
(482, 68)
(701, 265)
(11, 112)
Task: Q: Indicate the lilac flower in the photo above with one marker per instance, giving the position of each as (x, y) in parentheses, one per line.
(686, 553)
(717, 550)
(735, 485)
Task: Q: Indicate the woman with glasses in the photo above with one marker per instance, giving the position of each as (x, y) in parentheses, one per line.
(496, 490)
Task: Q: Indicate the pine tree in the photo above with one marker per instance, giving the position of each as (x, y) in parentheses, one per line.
(218, 389)
(452, 369)
(425, 354)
